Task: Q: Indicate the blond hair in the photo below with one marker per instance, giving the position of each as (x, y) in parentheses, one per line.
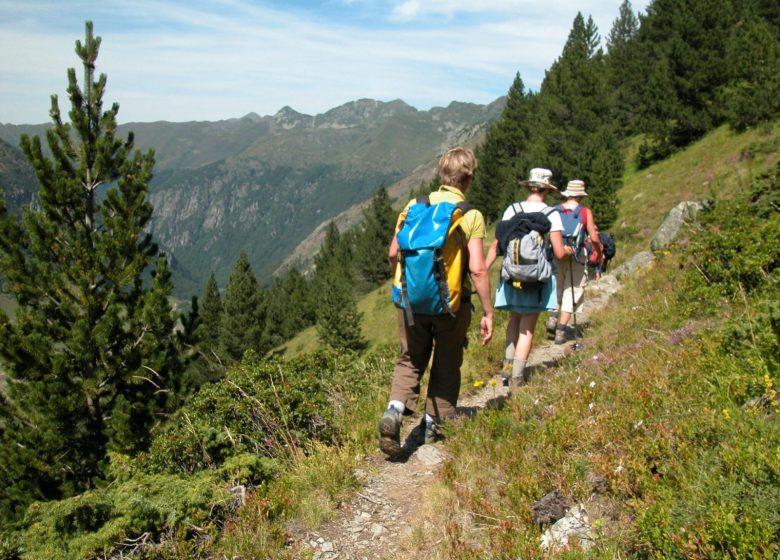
(457, 167)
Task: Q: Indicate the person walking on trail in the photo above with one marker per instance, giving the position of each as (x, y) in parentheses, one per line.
(445, 334)
(527, 300)
(579, 228)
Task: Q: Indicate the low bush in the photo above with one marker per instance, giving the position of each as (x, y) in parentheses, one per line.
(267, 408)
(733, 250)
(136, 512)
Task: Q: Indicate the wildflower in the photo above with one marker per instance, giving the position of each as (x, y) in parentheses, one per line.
(478, 383)
(493, 382)
(592, 384)
(726, 414)
(768, 382)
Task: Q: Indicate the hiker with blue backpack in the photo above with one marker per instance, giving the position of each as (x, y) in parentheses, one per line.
(579, 226)
(527, 237)
(437, 258)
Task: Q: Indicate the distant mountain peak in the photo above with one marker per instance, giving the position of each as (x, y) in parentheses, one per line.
(287, 118)
(356, 113)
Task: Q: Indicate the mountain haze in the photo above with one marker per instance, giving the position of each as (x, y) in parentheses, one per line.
(17, 179)
(262, 185)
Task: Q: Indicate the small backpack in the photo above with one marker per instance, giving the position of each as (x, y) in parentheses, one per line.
(527, 254)
(433, 259)
(573, 228)
(608, 245)
(607, 249)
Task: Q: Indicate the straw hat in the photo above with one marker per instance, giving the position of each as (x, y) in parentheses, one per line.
(575, 189)
(540, 177)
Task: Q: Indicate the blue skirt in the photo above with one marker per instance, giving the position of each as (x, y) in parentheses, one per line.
(544, 298)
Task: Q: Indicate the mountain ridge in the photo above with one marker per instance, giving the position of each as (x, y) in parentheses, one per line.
(264, 184)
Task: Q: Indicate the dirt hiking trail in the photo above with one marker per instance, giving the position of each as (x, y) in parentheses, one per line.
(381, 518)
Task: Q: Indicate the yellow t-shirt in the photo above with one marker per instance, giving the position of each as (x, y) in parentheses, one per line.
(473, 222)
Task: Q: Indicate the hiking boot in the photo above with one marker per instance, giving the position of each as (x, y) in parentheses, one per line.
(552, 322)
(517, 382)
(560, 335)
(426, 433)
(390, 432)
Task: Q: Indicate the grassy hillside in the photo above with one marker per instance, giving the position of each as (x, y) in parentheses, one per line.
(645, 422)
(717, 167)
(664, 425)
(658, 424)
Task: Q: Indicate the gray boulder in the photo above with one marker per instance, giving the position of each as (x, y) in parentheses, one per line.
(637, 262)
(670, 228)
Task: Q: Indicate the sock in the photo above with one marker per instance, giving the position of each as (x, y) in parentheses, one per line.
(509, 351)
(398, 405)
(560, 327)
(518, 367)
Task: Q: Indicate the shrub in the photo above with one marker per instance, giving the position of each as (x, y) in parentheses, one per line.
(262, 407)
(732, 250)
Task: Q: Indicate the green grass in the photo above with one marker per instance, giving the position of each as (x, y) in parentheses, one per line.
(716, 167)
(645, 412)
(648, 424)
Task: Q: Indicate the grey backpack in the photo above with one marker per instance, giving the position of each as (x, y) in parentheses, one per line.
(528, 258)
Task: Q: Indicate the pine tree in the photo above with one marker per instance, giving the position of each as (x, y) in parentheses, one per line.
(683, 45)
(377, 230)
(338, 319)
(333, 251)
(576, 130)
(211, 311)
(243, 320)
(92, 359)
(276, 322)
(625, 69)
(300, 311)
(506, 154)
(752, 95)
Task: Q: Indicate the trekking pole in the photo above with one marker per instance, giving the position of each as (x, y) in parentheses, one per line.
(576, 345)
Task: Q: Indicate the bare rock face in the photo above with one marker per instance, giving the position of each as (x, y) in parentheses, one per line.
(634, 264)
(670, 228)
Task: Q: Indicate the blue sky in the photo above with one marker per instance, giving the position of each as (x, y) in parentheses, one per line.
(210, 60)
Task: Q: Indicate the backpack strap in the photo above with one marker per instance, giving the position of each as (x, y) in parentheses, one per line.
(407, 307)
(465, 207)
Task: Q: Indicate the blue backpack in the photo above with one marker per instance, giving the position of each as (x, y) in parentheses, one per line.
(433, 259)
(573, 228)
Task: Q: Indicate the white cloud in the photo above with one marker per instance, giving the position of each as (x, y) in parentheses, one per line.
(207, 61)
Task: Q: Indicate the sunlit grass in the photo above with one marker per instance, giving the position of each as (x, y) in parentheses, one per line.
(642, 424)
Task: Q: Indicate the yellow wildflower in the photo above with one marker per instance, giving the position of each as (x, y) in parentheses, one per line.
(726, 414)
(493, 382)
(478, 383)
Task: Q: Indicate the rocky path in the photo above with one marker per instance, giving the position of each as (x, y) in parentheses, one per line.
(380, 518)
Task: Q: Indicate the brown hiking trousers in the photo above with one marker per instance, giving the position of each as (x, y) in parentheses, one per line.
(445, 337)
